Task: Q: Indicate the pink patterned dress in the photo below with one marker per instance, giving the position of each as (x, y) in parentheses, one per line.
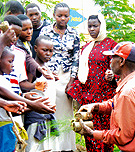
(96, 89)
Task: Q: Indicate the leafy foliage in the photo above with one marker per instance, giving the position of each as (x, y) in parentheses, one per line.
(120, 19)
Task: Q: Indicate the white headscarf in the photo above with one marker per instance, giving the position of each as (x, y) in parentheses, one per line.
(83, 60)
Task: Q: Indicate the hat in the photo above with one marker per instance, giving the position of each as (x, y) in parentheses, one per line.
(125, 50)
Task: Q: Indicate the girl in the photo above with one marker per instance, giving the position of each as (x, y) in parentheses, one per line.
(64, 62)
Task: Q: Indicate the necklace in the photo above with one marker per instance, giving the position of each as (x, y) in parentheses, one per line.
(59, 30)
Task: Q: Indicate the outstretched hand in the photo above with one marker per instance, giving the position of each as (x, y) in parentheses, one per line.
(15, 106)
(30, 95)
(42, 106)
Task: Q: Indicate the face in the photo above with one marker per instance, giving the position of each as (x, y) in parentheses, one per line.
(6, 63)
(93, 27)
(17, 30)
(27, 30)
(62, 16)
(44, 50)
(35, 16)
(115, 64)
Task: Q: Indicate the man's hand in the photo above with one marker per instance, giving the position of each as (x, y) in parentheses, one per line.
(42, 106)
(87, 131)
(90, 108)
(15, 106)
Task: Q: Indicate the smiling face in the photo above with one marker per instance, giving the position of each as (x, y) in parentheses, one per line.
(35, 16)
(6, 62)
(27, 30)
(62, 16)
(44, 50)
(93, 27)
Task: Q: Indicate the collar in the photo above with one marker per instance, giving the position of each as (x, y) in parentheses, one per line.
(124, 81)
(50, 28)
(40, 25)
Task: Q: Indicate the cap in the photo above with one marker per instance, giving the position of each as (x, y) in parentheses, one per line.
(125, 50)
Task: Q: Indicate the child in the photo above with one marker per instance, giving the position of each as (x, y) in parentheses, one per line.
(24, 43)
(37, 105)
(8, 138)
(44, 51)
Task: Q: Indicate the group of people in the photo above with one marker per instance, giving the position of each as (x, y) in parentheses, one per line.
(42, 70)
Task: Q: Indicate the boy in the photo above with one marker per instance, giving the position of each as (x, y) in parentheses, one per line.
(34, 13)
(13, 8)
(8, 138)
(36, 105)
(18, 77)
(44, 51)
(24, 43)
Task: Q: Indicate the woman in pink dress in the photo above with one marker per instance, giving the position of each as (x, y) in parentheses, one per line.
(91, 85)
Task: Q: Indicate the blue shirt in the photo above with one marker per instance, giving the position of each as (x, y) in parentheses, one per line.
(66, 50)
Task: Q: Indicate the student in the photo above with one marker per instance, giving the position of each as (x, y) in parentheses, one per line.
(32, 121)
(39, 106)
(13, 8)
(8, 139)
(24, 43)
(34, 13)
(18, 77)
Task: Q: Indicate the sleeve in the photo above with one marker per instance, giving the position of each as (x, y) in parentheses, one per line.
(106, 106)
(32, 66)
(123, 123)
(75, 63)
(23, 73)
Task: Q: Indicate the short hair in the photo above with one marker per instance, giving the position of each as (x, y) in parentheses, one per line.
(23, 17)
(60, 5)
(130, 64)
(39, 38)
(32, 5)
(14, 7)
(6, 51)
(11, 19)
(94, 17)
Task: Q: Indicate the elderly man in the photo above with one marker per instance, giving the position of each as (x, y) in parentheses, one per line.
(122, 105)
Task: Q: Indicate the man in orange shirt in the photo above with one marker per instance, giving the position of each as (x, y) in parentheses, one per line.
(122, 106)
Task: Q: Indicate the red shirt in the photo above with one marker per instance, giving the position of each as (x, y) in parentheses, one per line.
(122, 108)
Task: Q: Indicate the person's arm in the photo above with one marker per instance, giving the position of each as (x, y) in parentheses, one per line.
(12, 106)
(75, 62)
(75, 58)
(122, 132)
(41, 105)
(6, 39)
(34, 68)
(26, 85)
